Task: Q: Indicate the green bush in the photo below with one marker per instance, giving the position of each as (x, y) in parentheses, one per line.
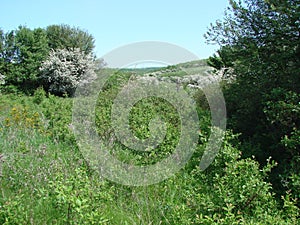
(39, 95)
(259, 44)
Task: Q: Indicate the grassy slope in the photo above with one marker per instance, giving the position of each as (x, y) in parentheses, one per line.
(46, 180)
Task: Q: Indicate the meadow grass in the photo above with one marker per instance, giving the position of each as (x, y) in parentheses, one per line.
(46, 180)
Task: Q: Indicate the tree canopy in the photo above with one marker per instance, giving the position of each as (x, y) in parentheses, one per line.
(65, 36)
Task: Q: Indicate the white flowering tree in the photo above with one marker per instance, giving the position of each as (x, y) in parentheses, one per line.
(2, 79)
(64, 69)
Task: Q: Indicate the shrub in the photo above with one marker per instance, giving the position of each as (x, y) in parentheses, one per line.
(64, 69)
(39, 95)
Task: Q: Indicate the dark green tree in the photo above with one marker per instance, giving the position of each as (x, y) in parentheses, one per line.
(22, 53)
(67, 37)
(223, 58)
(32, 50)
(8, 52)
(260, 40)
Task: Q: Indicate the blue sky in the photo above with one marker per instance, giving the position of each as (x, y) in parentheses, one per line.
(116, 23)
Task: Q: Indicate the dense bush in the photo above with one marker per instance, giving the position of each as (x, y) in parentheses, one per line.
(46, 179)
(259, 41)
(65, 69)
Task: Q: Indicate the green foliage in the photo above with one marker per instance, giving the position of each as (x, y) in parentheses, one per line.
(141, 114)
(45, 179)
(23, 50)
(39, 95)
(223, 59)
(67, 37)
(7, 52)
(30, 49)
(260, 41)
(236, 192)
(78, 198)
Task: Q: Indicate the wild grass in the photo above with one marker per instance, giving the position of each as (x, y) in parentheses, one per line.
(45, 179)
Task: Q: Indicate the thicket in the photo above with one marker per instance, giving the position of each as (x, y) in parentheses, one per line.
(45, 179)
(260, 45)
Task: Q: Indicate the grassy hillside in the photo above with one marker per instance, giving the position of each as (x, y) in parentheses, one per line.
(46, 180)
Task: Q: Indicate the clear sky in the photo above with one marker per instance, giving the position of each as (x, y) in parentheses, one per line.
(116, 23)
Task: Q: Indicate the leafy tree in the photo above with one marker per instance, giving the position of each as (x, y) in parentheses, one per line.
(8, 52)
(260, 40)
(223, 58)
(2, 42)
(32, 51)
(67, 37)
(22, 52)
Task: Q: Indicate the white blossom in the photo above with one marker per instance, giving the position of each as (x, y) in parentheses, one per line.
(2, 79)
(65, 69)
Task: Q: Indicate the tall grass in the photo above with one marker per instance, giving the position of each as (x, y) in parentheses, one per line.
(46, 180)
